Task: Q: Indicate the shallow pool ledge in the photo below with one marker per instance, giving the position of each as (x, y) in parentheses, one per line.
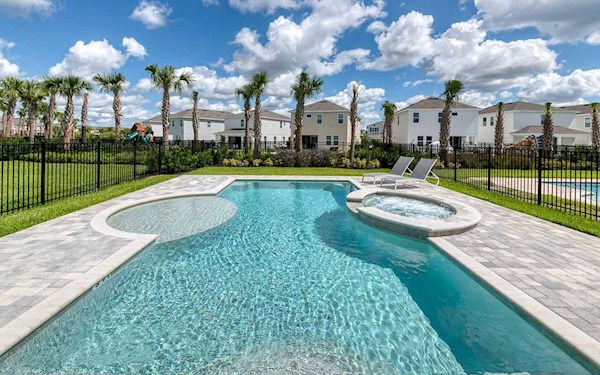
(464, 218)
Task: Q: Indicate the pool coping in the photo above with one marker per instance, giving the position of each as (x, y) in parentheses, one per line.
(28, 322)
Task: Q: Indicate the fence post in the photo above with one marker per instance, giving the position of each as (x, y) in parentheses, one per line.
(98, 164)
(43, 174)
(455, 167)
(134, 160)
(539, 179)
(489, 171)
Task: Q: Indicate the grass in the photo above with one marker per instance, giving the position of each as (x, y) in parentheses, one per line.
(466, 173)
(20, 220)
(281, 171)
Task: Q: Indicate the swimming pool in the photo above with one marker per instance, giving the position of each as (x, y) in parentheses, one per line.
(591, 188)
(409, 207)
(293, 283)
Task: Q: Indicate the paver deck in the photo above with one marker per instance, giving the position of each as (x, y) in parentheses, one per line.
(556, 266)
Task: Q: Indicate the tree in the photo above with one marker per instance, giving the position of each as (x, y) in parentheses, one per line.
(246, 92)
(167, 80)
(305, 87)
(3, 107)
(595, 125)
(389, 111)
(548, 130)
(499, 130)
(452, 91)
(22, 113)
(52, 87)
(259, 83)
(71, 87)
(353, 120)
(84, 115)
(195, 116)
(113, 83)
(11, 89)
(32, 94)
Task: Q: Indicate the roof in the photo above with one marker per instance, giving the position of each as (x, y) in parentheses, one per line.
(522, 106)
(538, 129)
(204, 114)
(378, 123)
(263, 114)
(324, 106)
(435, 103)
(581, 108)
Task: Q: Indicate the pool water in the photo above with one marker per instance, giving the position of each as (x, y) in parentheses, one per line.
(592, 188)
(409, 207)
(293, 284)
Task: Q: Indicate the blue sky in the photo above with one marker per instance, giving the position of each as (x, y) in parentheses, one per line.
(534, 50)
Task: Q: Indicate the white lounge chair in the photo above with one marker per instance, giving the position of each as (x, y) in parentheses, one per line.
(399, 169)
(422, 171)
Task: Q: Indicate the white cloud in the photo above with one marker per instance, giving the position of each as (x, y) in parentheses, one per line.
(268, 6)
(6, 67)
(553, 87)
(23, 8)
(134, 48)
(413, 99)
(417, 82)
(97, 56)
(561, 21)
(310, 43)
(153, 14)
(100, 111)
(144, 85)
(181, 103)
(369, 100)
(211, 85)
(478, 98)
(406, 41)
(594, 39)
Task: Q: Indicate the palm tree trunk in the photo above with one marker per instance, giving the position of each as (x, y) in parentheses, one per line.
(165, 118)
(499, 132)
(445, 135)
(3, 123)
(195, 119)
(298, 121)
(595, 129)
(50, 118)
(84, 116)
(7, 131)
(246, 125)
(31, 114)
(257, 128)
(68, 121)
(117, 111)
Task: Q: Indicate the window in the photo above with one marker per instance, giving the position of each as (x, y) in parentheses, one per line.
(328, 140)
(265, 138)
(542, 119)
(492, 121)
(172, 122)
(587, 122)
(454, 113)
(308, 115)
(428, 140)
(375, 129)
(208, 124)
(180, 122)
(440, 117)
(415, 117)
(274, 139)
(336, 140)
(319, 118)
(242, 123)
(420, 140)
(280, 124)
(485, 121)
(340, 118)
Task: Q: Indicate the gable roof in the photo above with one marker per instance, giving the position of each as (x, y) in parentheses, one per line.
(435, 103)
(538, 129)
(581, 108)
(263, 114)
(324, 105)
(378, 123)
(522, 106)
(204, 114)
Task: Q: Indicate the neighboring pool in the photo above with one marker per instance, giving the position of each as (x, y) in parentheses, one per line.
(293, 284)
(409, 207)
(592, 188)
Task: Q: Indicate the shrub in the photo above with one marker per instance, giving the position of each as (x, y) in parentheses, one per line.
(373, 164)
(268, 162)
(179, 159)
(256, 162)
(346, 162)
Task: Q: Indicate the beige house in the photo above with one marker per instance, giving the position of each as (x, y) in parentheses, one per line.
(326, 125)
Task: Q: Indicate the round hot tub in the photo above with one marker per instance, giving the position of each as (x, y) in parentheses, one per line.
(418, 209)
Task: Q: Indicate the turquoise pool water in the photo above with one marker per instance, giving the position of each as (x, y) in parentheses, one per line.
(291, 284)
(592, 188)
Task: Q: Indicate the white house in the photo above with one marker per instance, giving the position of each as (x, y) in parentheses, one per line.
(181, 128)
(419, 123)
(274, 128)
(522, 119)
(375, 131)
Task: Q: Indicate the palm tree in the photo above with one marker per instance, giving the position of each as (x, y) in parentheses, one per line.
(22, 113)
(499, 130)
(195, 115)
(389, 111)
(3, 107)
(353, 120)
(304, 87)
(452, 91)
(52, 87)
(168, 80)
(11, 89)
(246, 92)
(71, 87)
(259, 83)
(548, 131)
(113, 83)
(595, 125)
(84, 115)
(32, 94)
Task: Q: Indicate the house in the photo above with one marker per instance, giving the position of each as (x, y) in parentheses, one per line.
(375, 131)
(583, 118)
(274, 128)
(326, 125)
(523, 119)
(181, 127)
(419, 123)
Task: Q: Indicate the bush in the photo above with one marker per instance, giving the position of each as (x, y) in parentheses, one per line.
(268, 162)
(179, 159)
(256, 162)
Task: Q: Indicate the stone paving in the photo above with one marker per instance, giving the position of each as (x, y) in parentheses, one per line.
(556, 266)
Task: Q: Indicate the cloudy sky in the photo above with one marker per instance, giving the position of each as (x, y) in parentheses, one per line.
(534, 50)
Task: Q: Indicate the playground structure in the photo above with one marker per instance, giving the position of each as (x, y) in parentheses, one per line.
(140, 133)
